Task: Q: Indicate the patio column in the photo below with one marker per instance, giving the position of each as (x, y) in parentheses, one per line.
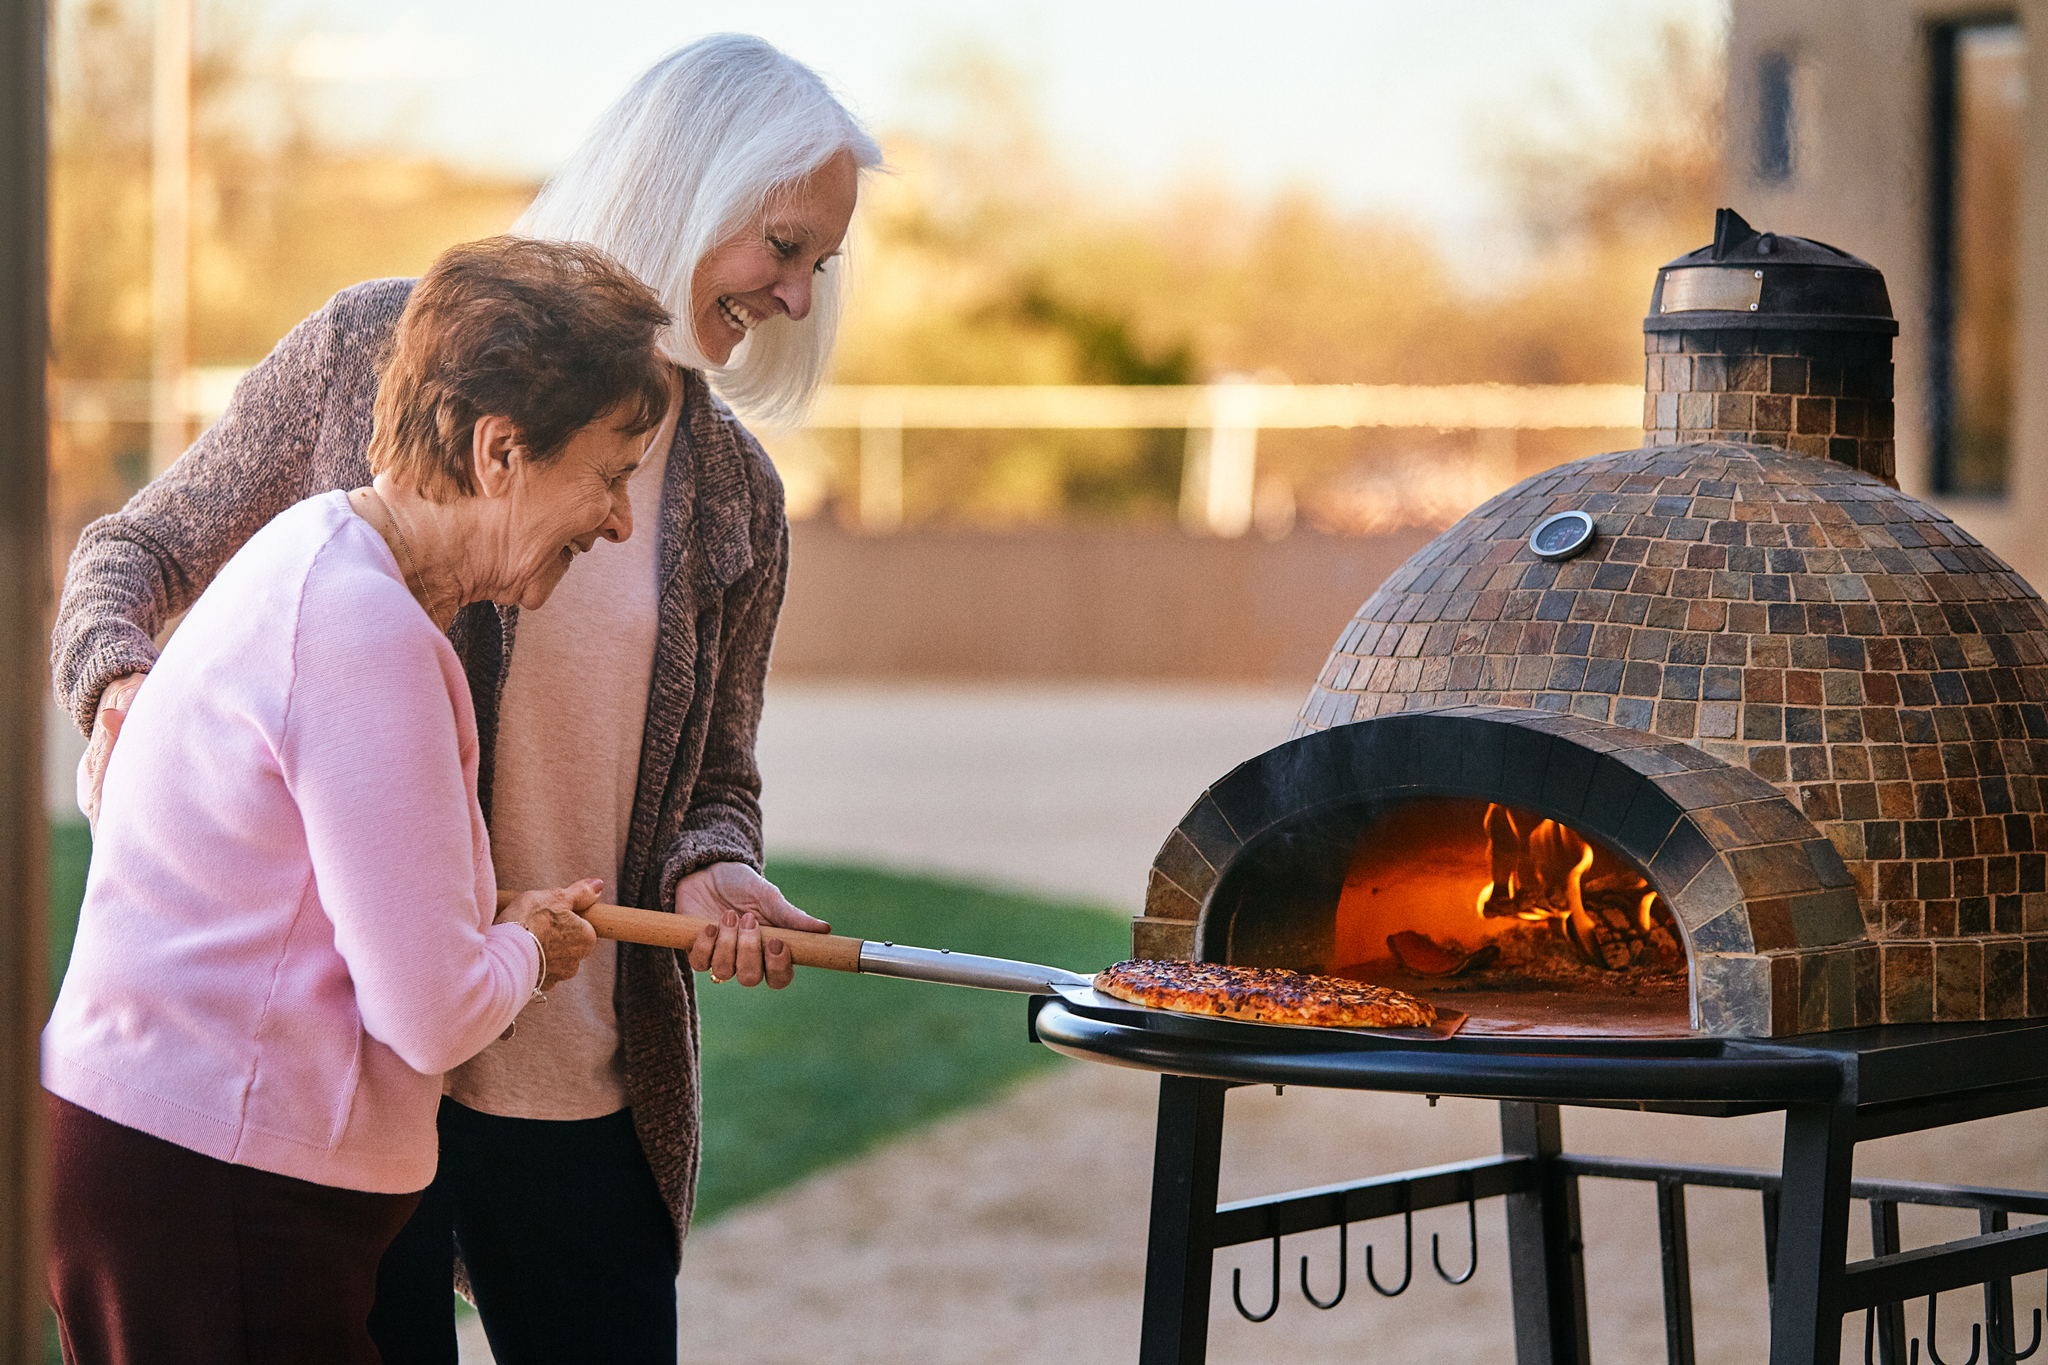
(23, 677)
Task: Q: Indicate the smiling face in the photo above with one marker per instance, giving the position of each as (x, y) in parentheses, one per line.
(561, 509)
(766, 269)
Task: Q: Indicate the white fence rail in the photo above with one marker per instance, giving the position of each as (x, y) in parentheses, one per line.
(1222, 421)
(1447, 407)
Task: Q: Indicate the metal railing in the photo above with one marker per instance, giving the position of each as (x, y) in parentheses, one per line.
(1222, 422)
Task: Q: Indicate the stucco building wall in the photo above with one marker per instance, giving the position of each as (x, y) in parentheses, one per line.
(1862, 180)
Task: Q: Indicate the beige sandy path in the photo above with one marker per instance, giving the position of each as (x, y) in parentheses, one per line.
(1064, 790)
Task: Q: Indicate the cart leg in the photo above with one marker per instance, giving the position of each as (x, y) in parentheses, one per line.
(1187, 1148)
(1891, 1317)
(1813, 1235)
(1674, 1237)
(1998, 1319)
(1546, 1256)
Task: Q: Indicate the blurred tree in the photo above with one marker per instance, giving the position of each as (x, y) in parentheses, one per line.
(985, 261)
(1590, 182)
(1603, 200)
(282, 218)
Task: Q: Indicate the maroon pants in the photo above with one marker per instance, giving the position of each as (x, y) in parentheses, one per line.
(159, 1254)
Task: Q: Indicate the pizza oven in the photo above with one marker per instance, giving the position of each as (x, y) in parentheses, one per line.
(1723, 735)
(1699, 779)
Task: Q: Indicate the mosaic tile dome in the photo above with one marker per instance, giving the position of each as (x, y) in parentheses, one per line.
(1838, 638)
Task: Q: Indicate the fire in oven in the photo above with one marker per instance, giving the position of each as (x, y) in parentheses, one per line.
(1553, 914)
(1544, 875)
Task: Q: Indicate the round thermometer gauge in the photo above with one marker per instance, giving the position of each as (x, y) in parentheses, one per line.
(1562, 536)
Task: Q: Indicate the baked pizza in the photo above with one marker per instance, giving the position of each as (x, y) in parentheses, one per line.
(1266, 995)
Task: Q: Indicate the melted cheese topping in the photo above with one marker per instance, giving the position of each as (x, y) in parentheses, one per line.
(1273, 995)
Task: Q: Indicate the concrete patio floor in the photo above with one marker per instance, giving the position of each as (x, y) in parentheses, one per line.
(1016, 1233)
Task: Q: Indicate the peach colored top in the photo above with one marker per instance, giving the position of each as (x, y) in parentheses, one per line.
(566, 777)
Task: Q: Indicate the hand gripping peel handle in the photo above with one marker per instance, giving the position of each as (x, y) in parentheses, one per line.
(836, 952)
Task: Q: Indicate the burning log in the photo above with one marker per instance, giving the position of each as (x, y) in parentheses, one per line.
(1614, 921)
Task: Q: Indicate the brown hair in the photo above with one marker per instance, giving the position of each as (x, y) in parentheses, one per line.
(549, 335)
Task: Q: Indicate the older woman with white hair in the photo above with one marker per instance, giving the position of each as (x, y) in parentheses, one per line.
(616, 724)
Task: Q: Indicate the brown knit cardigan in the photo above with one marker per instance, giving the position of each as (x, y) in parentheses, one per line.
(299, 425)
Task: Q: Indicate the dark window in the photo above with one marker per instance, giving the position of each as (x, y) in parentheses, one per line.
(1980, 100)
(1777, 128)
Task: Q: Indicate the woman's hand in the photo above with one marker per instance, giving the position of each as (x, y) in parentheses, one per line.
(741, 903)
(106, 728)
(556, 919)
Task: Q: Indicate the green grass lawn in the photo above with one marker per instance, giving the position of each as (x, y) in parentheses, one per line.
(70, 851)
(803, 1078)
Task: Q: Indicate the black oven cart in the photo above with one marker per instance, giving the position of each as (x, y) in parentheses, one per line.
(1836, 1090)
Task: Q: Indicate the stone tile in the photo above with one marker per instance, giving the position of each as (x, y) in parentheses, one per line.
(1786, 1002)
(1166, 901)
(1684, 853)
(1958, 981)
(1712, 891)
(1180, 863)
(1770, 923)
(1869, 986)
(2037, 978)
(1734, 994)
(2005, 978)
(1773, 870)
(1162, 940)
(1908, 972)
(1728, 932)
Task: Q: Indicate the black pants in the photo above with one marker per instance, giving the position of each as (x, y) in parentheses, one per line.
(160, 1254)
(567, 1241)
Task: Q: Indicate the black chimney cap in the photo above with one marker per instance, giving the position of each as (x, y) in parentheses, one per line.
(1746, 278)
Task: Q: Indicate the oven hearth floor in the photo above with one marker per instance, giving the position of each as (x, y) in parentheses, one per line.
(1557, 1014)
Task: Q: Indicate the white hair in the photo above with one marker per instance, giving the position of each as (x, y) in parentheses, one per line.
(692, 154)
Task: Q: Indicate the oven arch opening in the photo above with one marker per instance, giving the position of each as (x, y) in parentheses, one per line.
(1774, 934)
(1497, 911)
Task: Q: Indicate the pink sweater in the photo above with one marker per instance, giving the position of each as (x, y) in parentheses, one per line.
(286, 935)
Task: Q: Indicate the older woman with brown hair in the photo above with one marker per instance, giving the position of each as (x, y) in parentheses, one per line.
(617, 726)
(291, 927)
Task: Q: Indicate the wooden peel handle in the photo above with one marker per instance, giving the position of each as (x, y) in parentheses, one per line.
(835, 952)
(624, 924)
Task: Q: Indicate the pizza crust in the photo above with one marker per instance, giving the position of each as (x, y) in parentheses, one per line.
(1266, 995)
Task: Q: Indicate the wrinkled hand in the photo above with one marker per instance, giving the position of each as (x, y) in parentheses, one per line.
(742, 904)
(555, 917)
(106, 728)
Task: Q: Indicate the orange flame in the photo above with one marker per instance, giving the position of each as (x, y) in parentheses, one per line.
(1527, 867)
(1539, 877)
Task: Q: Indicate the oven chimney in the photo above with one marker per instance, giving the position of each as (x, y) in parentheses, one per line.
(1772, 340)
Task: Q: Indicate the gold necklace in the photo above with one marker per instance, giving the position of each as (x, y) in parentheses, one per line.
(409, 568)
